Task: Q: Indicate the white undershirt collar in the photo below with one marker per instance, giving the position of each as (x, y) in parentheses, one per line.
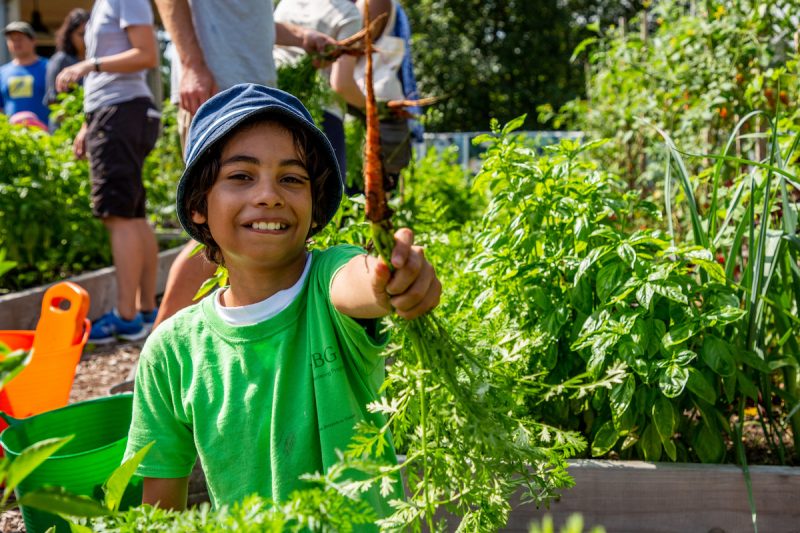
(247, 315)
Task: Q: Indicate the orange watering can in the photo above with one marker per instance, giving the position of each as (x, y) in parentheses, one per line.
(57, 343)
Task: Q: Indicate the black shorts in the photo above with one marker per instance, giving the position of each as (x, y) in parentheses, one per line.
(118, 139)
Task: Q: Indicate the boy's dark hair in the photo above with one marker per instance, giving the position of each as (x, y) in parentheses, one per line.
(72, 22)
(208, 168)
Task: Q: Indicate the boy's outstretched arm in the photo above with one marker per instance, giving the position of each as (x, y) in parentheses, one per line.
(166, 493)
(366, 288)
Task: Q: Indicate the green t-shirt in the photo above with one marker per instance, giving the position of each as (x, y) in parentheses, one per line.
(260, 404)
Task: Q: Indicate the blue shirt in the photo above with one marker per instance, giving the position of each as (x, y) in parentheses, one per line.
(402, 29)
(22, 88)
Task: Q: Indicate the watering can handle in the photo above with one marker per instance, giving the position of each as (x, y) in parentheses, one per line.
(60, 328)
(10, 420)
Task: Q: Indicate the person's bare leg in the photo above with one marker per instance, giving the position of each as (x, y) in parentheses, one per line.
(186, 275)
(147, 283)
(128, 256)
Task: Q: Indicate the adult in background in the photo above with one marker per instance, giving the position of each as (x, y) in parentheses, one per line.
(217, 48)
(22, 80)
(339, 19)
(70, 48)
(121, 128)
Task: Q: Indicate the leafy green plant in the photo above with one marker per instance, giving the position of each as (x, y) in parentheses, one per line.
(5, 265)
(563, 252)
(693, 69)
(303, 80)
(162, 169)
(752, 236)
(46, 224)
(329, 504)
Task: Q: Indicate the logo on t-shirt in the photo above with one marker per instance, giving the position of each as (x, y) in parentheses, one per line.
(326, 356)
(20, 86)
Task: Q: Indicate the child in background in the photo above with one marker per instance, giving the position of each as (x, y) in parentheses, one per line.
(266, 378)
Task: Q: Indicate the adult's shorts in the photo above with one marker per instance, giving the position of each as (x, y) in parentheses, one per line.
(118, 139)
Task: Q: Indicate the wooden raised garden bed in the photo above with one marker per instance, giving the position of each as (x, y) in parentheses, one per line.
(20, 310)
(635, 496)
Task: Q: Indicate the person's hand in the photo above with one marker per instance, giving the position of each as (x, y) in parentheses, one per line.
(72, 75)
(197, 85)
(413, 288)
(318, 45)
(386, 112)
(79, 144)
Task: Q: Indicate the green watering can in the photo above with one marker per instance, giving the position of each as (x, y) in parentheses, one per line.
(81, 466)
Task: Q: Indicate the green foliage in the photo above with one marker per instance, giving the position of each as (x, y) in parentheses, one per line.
(692, 70)
(115, 485)
(325, 506)
(437, 189)
(27, 461)
(46, 225)
(54, 499)
(162, 169)
(354, 132)
(564, 255)
(12, 363)
(499, 58)
(5, 265)
(304, 81)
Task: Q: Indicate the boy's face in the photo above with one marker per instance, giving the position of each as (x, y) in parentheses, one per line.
(259, 208)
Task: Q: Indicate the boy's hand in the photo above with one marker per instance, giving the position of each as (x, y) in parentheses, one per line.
(413, 288)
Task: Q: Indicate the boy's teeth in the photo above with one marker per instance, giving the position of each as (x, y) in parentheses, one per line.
(264, 226)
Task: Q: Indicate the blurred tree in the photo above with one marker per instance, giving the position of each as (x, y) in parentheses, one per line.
(501, 58)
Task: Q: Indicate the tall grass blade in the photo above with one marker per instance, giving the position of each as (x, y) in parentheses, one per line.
(700, 236)
(668, 198)
(737, 197)
(735, 253)
(758, 272)
(718, 167)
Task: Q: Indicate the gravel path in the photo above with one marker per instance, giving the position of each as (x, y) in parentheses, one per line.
(99, 369)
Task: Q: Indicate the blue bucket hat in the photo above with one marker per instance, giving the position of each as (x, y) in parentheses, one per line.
(223, 112)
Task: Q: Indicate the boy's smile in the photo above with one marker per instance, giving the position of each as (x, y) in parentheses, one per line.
(259, 208)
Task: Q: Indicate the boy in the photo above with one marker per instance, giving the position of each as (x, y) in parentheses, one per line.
(266, 378)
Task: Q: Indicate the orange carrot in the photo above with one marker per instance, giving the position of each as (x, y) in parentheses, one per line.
(373, 166)
(353, 45)
(377, 211)
(361, 34)
(398, 104)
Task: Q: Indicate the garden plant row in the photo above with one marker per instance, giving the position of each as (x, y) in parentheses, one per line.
(591, 308)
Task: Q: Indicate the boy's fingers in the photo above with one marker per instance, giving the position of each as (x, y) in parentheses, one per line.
(405, 275)
(417, 290)
(404, 239)
(423, 296)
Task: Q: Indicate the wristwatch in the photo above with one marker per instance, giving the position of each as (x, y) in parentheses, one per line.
(96, 63)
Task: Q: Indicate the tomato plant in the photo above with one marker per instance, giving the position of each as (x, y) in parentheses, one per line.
(692, 69)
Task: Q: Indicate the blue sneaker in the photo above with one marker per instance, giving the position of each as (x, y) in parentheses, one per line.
(149, 318)
(109, 327)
